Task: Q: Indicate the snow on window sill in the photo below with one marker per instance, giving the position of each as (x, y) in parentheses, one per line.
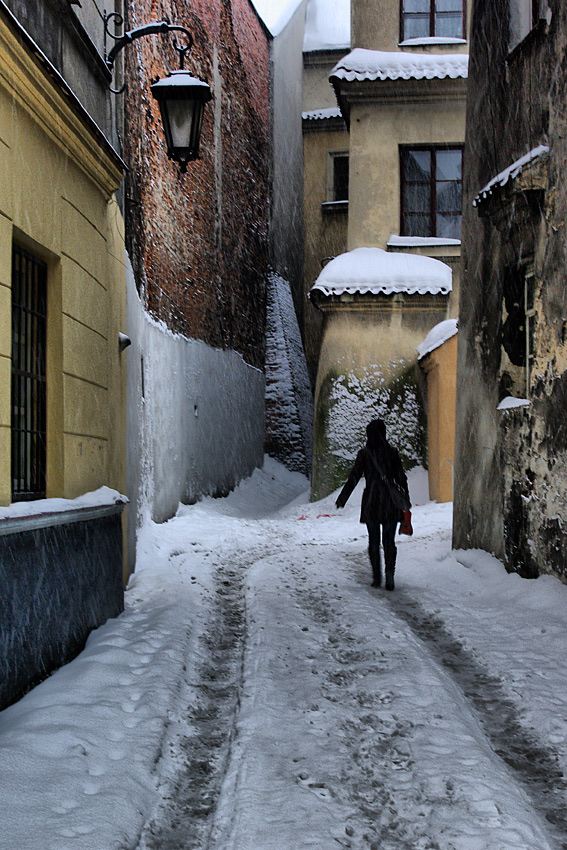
(334, 206)
(426, 241)
(512, 403)
(431, 39)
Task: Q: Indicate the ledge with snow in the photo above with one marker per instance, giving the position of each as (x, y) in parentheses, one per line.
(373, 271)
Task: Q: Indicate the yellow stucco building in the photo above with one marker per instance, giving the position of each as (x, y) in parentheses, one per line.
(61, 238)
(401, 91)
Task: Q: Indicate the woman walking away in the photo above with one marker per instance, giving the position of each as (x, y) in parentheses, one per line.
(384, 500)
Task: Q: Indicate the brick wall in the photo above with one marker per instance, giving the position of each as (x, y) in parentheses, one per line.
(198, 241)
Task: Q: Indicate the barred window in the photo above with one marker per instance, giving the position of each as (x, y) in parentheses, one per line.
(29, 325)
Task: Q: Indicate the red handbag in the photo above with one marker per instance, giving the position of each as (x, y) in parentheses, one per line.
(405, 525)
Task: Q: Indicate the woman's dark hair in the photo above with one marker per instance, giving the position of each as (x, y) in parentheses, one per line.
(376, 432)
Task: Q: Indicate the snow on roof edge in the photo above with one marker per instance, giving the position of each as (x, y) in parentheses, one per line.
(438, 335)
(276, 14)
(321, 114)
(362, 64)
(374, 271)
(509, 173)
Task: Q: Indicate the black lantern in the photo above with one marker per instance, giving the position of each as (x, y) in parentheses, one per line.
(182, 99)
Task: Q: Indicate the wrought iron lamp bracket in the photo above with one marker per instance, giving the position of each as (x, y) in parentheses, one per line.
(123, 41)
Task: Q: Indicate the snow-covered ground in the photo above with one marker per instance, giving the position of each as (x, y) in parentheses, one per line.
(258, 694)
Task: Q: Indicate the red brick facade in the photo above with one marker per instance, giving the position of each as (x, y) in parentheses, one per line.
(199, 241)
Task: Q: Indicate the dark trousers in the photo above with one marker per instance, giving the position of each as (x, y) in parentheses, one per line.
(386, 536)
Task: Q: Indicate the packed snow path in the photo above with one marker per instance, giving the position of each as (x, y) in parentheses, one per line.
(275, 701)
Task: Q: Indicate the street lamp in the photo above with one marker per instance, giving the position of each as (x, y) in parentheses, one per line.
(180, 96)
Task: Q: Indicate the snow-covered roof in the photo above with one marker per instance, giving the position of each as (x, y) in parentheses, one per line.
(437, 336)
(362, 64)
(322, 114)
(374, 271)
(510, 173)
(424, 241)
(327, 25)
(276, 14)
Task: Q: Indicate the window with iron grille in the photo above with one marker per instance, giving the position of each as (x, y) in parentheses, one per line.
(29, 325)
(426, 18)
(431, 191)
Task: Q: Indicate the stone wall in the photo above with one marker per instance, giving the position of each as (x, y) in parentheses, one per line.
(59, 579)
(510, 470)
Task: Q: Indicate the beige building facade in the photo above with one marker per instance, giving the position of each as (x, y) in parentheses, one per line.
(59, 219)
(401, 91)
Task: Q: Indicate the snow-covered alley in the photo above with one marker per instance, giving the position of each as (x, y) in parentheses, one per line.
(257, 693)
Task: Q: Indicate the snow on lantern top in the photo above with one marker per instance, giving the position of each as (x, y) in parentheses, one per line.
(374, 271)
(362, 64)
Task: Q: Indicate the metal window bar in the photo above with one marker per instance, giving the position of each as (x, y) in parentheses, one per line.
(29, 327)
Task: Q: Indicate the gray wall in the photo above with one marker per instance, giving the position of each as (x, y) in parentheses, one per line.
(286, 246)
(57, 583)
(195, 420)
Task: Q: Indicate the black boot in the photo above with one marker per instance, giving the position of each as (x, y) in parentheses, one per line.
(390, 570)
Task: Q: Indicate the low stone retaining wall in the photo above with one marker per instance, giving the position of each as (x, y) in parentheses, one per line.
(60, 577)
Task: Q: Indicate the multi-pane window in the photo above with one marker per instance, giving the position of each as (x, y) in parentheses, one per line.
(29, 320)
(431, 191)
(426, 18)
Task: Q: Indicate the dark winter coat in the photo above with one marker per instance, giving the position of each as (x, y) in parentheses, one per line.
(377, 505)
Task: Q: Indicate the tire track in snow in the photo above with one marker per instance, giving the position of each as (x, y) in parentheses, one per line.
(536, 766)
(201, 750)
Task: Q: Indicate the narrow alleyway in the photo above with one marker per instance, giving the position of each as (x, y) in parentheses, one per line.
(329, 713)
(258, 694)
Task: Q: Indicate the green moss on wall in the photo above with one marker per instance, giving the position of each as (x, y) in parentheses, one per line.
(345, 405)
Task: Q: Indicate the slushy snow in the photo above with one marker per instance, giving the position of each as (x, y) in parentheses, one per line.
(257, 694)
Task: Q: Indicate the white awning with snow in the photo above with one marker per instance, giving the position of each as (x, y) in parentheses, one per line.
(375, 271)
(362, 64)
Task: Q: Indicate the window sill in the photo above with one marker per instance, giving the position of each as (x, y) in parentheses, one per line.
(434, 40)
(420, 241)
(334, 207)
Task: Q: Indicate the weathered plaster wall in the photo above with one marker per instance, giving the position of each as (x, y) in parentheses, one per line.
(510, 495)
(376, 26)
(369, 355)
(440, 366)
(325, 230)
(376, 132)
